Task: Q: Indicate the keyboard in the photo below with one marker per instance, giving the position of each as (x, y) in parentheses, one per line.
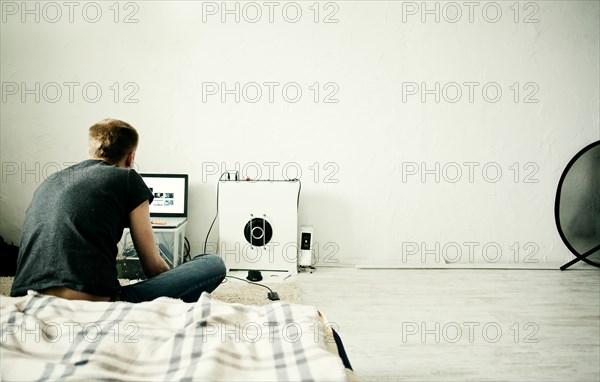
(167, 222)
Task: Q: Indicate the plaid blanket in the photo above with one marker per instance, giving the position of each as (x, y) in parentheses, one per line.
(47, 338)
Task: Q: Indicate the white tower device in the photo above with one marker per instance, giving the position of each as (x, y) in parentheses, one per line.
(306, 246)
(258, 225)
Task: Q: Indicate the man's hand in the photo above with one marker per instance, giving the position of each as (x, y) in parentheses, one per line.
(143, 240)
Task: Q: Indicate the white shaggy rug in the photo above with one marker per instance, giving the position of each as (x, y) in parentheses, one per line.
(246, 293)
(229, 291)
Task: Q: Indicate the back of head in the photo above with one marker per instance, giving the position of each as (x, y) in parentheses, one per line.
(112, 140)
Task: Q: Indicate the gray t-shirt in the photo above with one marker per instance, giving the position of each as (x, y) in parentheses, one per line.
(73, 225)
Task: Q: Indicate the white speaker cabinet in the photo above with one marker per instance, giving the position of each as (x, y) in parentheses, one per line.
(258, 225)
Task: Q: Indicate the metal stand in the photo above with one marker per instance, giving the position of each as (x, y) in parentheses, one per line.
(581, 257)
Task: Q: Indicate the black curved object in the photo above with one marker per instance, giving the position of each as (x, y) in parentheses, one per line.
(254, 276)
(258, 232)
(577, 206)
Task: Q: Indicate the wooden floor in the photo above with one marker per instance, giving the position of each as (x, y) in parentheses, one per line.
(463, 325)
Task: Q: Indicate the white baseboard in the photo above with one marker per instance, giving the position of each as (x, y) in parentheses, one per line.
(525, 266)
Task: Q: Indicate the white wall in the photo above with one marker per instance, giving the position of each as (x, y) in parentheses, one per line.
(373, 142)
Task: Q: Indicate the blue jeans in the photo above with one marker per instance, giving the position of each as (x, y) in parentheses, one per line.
(187, 281)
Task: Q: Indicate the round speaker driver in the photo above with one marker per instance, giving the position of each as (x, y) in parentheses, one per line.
(258, 232)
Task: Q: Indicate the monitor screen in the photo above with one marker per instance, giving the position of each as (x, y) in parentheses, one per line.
(170, 194)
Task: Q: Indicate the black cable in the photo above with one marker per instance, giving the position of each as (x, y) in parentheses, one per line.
(187, 247)
(251, 282)
(217, 214)
(299, 188)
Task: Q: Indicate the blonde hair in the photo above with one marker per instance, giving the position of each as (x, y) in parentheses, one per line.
(112, 140)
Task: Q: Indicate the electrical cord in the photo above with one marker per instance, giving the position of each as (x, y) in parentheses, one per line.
(217, 214)
(187, 248)
(250, 282)
(299, 188)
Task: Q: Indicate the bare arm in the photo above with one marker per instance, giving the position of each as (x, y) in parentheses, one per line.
(143, 240)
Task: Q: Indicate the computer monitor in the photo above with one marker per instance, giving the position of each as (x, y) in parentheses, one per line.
(170, 194)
